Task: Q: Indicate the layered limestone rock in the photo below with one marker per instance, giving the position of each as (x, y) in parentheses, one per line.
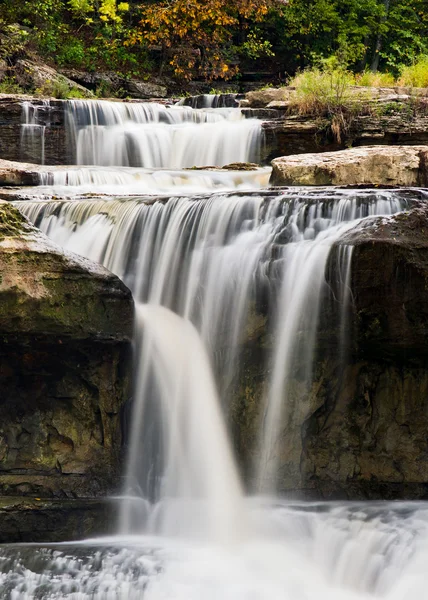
(376, 165)
(65, 330)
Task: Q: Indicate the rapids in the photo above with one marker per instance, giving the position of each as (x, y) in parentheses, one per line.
(198, 249)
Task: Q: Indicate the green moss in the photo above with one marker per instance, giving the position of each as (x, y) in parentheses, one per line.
(12, 222)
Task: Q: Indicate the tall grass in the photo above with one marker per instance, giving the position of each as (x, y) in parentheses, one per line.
(327, 92)
(416, 75)
(376, 80)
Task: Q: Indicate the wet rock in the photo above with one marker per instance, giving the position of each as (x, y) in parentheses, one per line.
(37, 520)
(65, 329)
(15, 173)
(378, 165)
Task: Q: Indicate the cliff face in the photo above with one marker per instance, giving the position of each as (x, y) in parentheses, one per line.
(360, 430)
(65, 329)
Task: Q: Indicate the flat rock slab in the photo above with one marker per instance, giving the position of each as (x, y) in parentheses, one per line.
(374, 165)
(14, 173)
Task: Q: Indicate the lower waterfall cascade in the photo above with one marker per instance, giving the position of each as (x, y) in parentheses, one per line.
(200, 249)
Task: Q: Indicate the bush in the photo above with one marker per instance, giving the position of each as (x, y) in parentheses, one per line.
(370, 79)
(72, 53)
(55, 88)
(415, 75)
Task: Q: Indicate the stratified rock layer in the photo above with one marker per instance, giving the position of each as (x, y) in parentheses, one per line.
(375, 165)
(65, 328)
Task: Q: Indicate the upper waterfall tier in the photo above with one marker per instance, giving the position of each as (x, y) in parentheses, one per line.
(147, 134)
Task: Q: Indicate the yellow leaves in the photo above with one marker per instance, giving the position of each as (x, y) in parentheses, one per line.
(196, 33)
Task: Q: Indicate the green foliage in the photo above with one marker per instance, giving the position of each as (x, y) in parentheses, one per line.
(54, 89)
(218, 38)
(415, 75)
(322, 91)
(8, 85)
(71, 53)
(58, 88)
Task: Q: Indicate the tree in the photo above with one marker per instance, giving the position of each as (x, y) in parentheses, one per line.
(197, 36)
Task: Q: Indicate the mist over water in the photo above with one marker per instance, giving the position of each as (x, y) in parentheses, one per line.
(196, 264)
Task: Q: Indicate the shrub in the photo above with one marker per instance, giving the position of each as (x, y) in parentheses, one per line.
(72, 53)
(55, 88)
(415, 75)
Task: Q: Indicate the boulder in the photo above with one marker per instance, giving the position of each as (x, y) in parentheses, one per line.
(366, 436)
(376, 165)
(262, 98)
(16, 173)
(145, 89)
(65, 331)
(45, 80)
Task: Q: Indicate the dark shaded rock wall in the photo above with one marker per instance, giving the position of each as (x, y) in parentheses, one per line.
(65, 329)
(16, 142)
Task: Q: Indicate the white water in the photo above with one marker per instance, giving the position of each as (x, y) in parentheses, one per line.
(312, 234)
(297, 552)
(179, 458)
(127, 181)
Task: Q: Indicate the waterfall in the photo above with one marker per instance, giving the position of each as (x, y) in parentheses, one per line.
(144, 134)
(210, 101)
(206, 259)
(311, 232)
(68, 181)
(32, 132)
(213, 257)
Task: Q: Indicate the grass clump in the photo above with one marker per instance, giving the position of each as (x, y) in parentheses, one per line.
(415, 75)
(322, 91)
(376, 80)
(327, 92)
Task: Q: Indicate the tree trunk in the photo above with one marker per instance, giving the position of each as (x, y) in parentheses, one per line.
(379, 39)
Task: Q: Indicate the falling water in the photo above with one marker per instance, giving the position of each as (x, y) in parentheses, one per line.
(32, 131)
(155, 136)
(311, 232)
(210, 101)
(206, 260)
